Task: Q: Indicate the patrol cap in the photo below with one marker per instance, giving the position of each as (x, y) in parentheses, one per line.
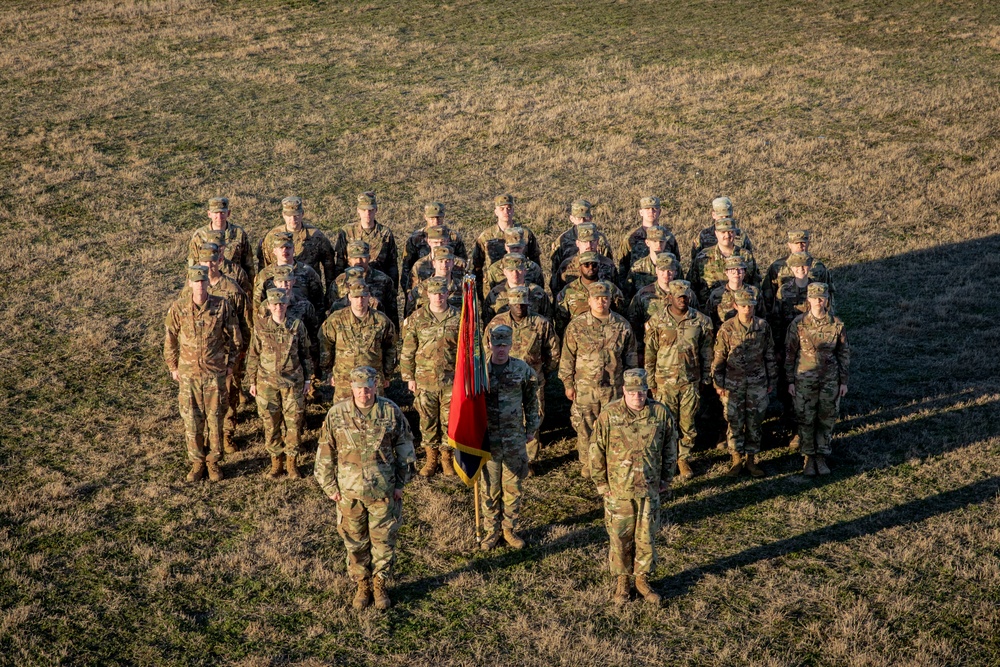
(216, 236)
(515, 261)
(502, 335)
(580, 209)
(354, 273)
(725, 225)
(722, 206)
(437, 233)
(818, 290)
(503, 200)
(444, 252)
(275, 295)
(283, 239)
(798, 236)
(599, 289)
(590, 257)
(434, 210)
(363, 376)
(358, 288)
(519, 295)
(437, 285)
(679, 287)
(800, 259)
(197, 273)
(666, 260)
(367, 201)
(358, 248)
(735, 262)
(649, 202)
(656, 233)
(586, 231)
(514, 236)
(207, 252)
(635, 380)
(284, 273)
(746, 296)
(291, 205)
(218, 204)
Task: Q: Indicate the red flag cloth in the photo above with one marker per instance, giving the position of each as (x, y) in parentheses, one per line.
(467, 415)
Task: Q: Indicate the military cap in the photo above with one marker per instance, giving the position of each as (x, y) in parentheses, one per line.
(600, 288)
(679, 287)
(284, 273)
(635, 380)
(666, 260)
(656, 233)
(514, 260)
(437, 285)
(735, 262)
(291, 205)
(722, 206)
(367, 201)
(818, 290)
(580, 209)
(502, 335)
(649, 202)
(283, 239)
(444, 252)
(197, 273)
(725, 225)
(514, 236)
(590, 257)
(798, 236)
(363, 376)
(354, 273)
(275, 295)
(434, 210)
(358, 288)
(208, 252)
(437, 232)
(216, 236)
(586, 231)
(746, 296)
(519, 295)
(800, 259)
(503, 200)
(358, 248)
(218, 204)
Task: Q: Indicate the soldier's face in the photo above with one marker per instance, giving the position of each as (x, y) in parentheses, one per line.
(199, 290)
(649, 216)
(438, 302)
(358, 261)
(278, 310)
(514, 276)
(500, 353)
(636, 400)
(504, 213)
(576, 221)
(664, 276)
(366, 215)
(819, 304)
(800, 272)
(600, 305)
(589, 270)
(435, 221)
(434, 243)
(586, 246)
(680, 301)
(725, 238)
(359, 304)
(218, 218)
(364, 397)
(745, 311)
(293, 222)
(517, 247)
(799, 246)
(519, 310)
(655, 247)
(283, 254)
(443, 267)
(736, 275)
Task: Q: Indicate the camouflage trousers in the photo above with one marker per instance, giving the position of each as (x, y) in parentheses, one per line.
(433, 405)
(584, 413)
(342, 386)
(203, 401)
(817, 405)
(279, 406)
(745, 408)
(502, 477)
(234, 385)
(368, 528)
(535, 446)
(632, 524)
(683, 401)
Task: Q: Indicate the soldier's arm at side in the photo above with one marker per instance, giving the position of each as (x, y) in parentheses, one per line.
(669, 453)
(630, 355)
(719, 362)
(770, 365)
(326, 467)
(567, 361)
(406, 457)
(339, 253)
(327, 348)
(599, 454)
(305, 352)
(705, 350)
(328, 260)
(843, 353)
(652, 349)
(408, 351)
(253, 359)
(551, 349)
(529, 398)
(171, 344)
(234, 336)
(791, 352)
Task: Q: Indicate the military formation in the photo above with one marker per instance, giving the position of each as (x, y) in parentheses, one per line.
(649, 358)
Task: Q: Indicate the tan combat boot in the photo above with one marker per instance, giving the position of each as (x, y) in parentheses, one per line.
(363, 596)
(490, 541)
(809, 466)
(622, 589)
(642, 585)
(752, 467)
(382, 601)
(511, 538)
(227, 443)
(277, 466)
(292, 467)
(197, 472)
(214, 471)
(821, 467)
(685, 469)
(737, 465)
(432, 460)
(447, 465)
(795, 444)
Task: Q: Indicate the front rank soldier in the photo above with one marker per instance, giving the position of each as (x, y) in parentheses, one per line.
(574, 299)
(633, 247)
(632, 461)
(365, 458)
(708, 270)
(380, 285)
(201, 346)
(722, 207)
(380, 240)
(236, 243)
(311, 246)
(281, 372)
(490, 244)
(230, 269)
(597, 349)
(799, 240)
(308, 283)
(427, 364)
(515, 245)
(564, 247)
(587, 240)
(511, 421)
(444, 265)
(416, 245)
(298, 309)
(651, 299)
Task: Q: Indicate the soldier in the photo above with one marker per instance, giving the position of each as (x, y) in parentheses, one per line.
(443, 265)
(308, 284)
(281, 372)
(371, 440)
(799, 240)
(722, 207)
(312, 247)
(574, 299)
(416, 245)
(587, 240)
(515, 244)
(427, 364)
(633, 248)
(644, 268)
(511, 421)
(721, 303)
(515, 271)
(380, 285)
(229, 269)
(534, 341)
(817, 360)
(423, 268)
(632, 458)
(650, 300)
(236, 243)
(565, 246)
(709, 268)
(743, 370)
(489, 247)
(201, 346)
(678, 361)
(790, 302)
(356, 336)
(597, 348)
(380, 240)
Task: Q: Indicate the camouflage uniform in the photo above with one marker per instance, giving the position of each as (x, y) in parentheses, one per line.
(633, 248)
(308, 284)
(490, 247)
(496, 301)
(312, 247)
(417, 298)
(227, 288)
(374, 458)
(228, 268)
(722, 303)
(416, 247)
(722, 207)
(495, 275)
(650, 300)
(779, 271)
(564, 247)
(424, 269)
(570, 271)
(380, 285)
(348, 341)
(380, 239)
(572, 301)
(709, 271)
(237, 252)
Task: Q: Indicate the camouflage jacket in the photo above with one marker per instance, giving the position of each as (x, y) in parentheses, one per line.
(535, 341)
(490, 248)
(564, 247)
(633, 453)
(643, 273)
(721, 305)
(569, 271)
(280, 353)
(417, 298)
(238, 250)
(237, 274)
(347, 341)
(633, 248)
(226, 287)
(678, 351)
(573, 300)
(789, 302)
(496, 301)
(707, 238)
(429, 348)
(778, 272)
(511, 404)
(382, 290)
(416, 247)
(644, 306)
(374, 451)
(744, 355)
(495, 276)
(308, 284)
(312, 247)
(709, 271)
(424, 269)
(595, 353)
(817, 348)
(302, 310)
(381, 244)
(201, 341)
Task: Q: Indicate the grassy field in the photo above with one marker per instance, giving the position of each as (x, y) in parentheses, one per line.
(875, 124)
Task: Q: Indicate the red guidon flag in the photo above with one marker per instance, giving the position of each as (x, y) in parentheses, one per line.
(467, 416)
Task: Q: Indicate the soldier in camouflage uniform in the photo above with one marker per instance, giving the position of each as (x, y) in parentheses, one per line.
(708, 270)
(650, 300)
(380, 240)
(534, 342)
(308, 284)
(298, 309)
(423, 268)
(633, 247)
(444, 265)
(311, 246)
(799, 240)
(371, 440)
(817, 360)
(416, 245)
(515, 270)
(722, 207)
(632, 460)
(511, 422)
(574, 299)
(382, 289)
(790, 302)
(564, 247)
(644, 268)
(356, 336)
(744, 370)
(229, 269)
(281, 372)
(586, 241)
(427, 364)
(597, 348)
(678, 361)
(490, 244)
(236, 243)
(201, 345)
(515, 238)
(722, 302)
